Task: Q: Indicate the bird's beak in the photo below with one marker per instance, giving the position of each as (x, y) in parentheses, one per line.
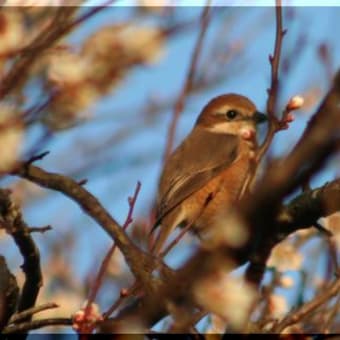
(259, 117)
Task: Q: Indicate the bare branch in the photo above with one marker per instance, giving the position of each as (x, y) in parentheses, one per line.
(273, 122)
(31, 311)
(18, 229)
(309, 307)
(275, 63)
(124, 293)
(187, 86)
(274, 85)
(140, 263)
(9, 293)
(105, 263)
(36, 324)
(39, 229)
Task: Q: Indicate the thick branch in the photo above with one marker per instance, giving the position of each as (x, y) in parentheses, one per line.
(9, 292)
(283, 176)
(139, 262)
(301, 212)
(18, 229)
(307, 208)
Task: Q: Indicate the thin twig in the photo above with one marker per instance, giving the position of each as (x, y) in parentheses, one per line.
(39, 229)
(176, 240)
(36, 324)
(182, 233)
(37, 157)
(127, 292)
(308, 307)
(188, 84)
(333, 264)
(83, 181)
(31, 311)
(325, 56)
(331, 317)
(273, 123)
(104, 265)
(91, 12)
(274, 85)
(275, 63)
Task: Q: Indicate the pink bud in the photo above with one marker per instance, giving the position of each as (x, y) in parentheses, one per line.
(289, 118)
(78, 316)
(284, 123)
(75, 327)
(295, 103)
(124, 292)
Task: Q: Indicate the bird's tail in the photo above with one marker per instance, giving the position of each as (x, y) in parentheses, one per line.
(164, 232)
(167, 223)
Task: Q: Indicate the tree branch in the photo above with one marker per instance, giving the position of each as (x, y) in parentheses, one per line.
(294, 317)
(36, 324)
(188, 84)
(18, 229)
(315, 146)
(105, 263)
(31, 311)
(9, 292)
(140, 263)
(275, 63)
(260, 209)
(273, 121)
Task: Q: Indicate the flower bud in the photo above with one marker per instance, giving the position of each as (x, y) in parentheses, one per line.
(295, 103)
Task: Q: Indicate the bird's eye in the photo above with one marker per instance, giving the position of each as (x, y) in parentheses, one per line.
(231, 114)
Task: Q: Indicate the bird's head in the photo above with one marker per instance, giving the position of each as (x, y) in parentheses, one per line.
(231, 114)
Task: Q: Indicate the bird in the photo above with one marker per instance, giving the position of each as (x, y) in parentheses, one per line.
(203, 176)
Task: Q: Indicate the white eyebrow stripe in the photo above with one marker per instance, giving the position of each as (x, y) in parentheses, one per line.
(224, 127)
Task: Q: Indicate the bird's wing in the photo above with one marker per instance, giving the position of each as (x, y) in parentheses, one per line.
(186, 172)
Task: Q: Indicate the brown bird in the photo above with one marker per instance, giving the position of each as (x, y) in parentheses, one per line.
(205, 173)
